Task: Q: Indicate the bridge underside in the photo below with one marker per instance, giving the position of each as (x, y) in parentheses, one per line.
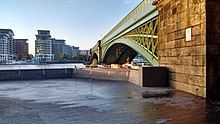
(124, 50)
(119, 54)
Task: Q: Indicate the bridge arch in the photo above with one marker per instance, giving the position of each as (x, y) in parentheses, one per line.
(119, 54)
(129, 49)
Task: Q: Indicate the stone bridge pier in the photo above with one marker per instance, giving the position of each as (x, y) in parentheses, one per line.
(189, 44)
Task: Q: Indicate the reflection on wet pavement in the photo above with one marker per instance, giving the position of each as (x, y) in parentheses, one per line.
(70, 101)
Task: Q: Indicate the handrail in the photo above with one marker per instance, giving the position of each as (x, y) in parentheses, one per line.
(134, 12)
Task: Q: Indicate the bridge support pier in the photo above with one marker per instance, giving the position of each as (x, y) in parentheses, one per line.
(99, 52)
(189, 44)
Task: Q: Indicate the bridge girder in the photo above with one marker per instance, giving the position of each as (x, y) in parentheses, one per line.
(137, 33)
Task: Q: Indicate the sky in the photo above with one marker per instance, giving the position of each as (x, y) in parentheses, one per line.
(80, 22)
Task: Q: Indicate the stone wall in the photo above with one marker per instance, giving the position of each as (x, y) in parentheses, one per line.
(136, 77)
(186, 60)
(35, 74)
(145, 77)
(141, 77)
(213, 48)
(102, 74)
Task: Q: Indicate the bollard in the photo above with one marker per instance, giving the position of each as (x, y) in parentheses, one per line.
(74, 67)
(90, 73)
(19, 70)
(74, 70)
(109, 73)
(65, 69)
(126, 74)
(43, 71)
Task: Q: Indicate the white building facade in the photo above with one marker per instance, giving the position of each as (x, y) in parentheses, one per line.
(7, 46)
(43, 47)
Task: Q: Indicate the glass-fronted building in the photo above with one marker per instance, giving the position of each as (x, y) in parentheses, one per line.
(7, 46)
(43, 46)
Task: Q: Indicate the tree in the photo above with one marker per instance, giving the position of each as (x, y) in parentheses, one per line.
(29, 57)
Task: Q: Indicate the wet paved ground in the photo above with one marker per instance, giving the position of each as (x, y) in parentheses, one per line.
(71, 101)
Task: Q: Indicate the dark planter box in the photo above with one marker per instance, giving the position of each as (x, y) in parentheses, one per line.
(155, 77)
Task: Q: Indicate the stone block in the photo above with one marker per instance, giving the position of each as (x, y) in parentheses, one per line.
(179, 34)
(172, 76)
(160, 11)
(166, 7)
(186, 51)
(196, 30)
(178, 43)
(195, 80)
(163, 60)
(174, 10)
(203, 7)
(185, 60)
(195, 70)
(199, 50)
(199, 60)
(198, 40)
(196, 90)
(172, 44)
(180, 68)
(195, 20)
(179, 77)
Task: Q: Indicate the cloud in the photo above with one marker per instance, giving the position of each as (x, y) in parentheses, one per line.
(127, 1)
(73, 1)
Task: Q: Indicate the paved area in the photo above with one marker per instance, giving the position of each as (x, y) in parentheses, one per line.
(72, 101)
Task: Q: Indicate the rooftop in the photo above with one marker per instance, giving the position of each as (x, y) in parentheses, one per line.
(6, 31)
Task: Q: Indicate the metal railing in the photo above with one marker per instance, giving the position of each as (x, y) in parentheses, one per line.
(134, 12)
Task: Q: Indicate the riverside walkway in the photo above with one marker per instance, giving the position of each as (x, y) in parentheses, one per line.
(74, 101)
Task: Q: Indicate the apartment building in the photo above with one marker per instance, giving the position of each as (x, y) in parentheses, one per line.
(58, 48)
(7, 46)
(21, 48)
(43, 46)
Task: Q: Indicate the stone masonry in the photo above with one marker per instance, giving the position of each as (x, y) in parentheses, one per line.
(186, 60)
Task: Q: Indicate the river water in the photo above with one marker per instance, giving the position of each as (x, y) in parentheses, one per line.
(43, 66)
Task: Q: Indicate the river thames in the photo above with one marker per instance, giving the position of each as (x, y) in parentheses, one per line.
(79, 101)
(42, 66)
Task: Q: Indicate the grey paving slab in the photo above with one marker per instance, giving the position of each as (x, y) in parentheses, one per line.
(76, 101)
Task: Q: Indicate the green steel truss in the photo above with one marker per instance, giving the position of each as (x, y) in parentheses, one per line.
(137, 30)
(146, 36)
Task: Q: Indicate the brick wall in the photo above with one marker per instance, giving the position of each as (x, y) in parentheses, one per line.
(186, 60)
(213, 48)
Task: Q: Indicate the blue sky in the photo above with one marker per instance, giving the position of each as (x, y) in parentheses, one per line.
(80, 22)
